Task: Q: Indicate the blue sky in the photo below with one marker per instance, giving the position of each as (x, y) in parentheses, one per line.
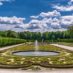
(29, 14)
(27, 8)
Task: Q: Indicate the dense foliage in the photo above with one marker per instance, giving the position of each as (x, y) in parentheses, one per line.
(10, 41)
(51, 36)
(46, 36)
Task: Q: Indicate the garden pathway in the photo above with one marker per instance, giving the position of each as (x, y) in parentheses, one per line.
(43, 71)
(63, 46)
(7, 47)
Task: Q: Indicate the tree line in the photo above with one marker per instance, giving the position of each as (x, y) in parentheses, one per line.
(31, 36)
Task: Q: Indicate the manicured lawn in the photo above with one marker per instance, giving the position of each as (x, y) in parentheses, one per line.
(63, 59)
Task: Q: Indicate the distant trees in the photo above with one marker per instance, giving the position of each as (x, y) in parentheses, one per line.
(9, 33)
(12, 34)
(71, 31)
(46, 36)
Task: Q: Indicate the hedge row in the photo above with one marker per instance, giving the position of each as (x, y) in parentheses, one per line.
(10, 41)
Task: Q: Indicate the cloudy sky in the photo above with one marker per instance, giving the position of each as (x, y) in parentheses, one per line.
(36, 15)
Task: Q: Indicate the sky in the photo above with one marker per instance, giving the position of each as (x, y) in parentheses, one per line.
(36, 15)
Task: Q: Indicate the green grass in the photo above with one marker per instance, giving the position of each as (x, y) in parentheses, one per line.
(8, 60)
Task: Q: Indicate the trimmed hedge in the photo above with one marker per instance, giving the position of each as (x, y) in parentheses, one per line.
(10, 41)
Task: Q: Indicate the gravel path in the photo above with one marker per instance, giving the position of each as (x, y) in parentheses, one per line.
(3, 48)
(44, 71)
(62, 46)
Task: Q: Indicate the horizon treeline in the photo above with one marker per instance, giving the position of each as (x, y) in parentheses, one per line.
(38, 35)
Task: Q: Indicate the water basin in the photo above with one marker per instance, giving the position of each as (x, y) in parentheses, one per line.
(37, 53)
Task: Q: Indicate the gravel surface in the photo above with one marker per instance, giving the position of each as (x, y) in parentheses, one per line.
(3, 48)
(62, 46)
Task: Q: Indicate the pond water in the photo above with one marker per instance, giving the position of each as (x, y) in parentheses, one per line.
(33, 53)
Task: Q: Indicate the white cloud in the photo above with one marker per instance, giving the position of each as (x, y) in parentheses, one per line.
(11, 23)
(71, 0)
(6, 27)
(49, 22)
(68, 7)
(12, 20)
(64, 8)
(50, 14)
(34, 17)
(67, 20)
(2, 1)
(55, 23)
(46, 14)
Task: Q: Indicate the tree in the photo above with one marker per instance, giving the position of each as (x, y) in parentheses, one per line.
(12, 34)
(71, 31)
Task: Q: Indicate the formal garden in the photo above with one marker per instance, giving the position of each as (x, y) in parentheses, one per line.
(36, 49)
(64, 58)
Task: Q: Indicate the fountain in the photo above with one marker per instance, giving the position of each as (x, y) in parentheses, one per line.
(36, 52)
(36, 48)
